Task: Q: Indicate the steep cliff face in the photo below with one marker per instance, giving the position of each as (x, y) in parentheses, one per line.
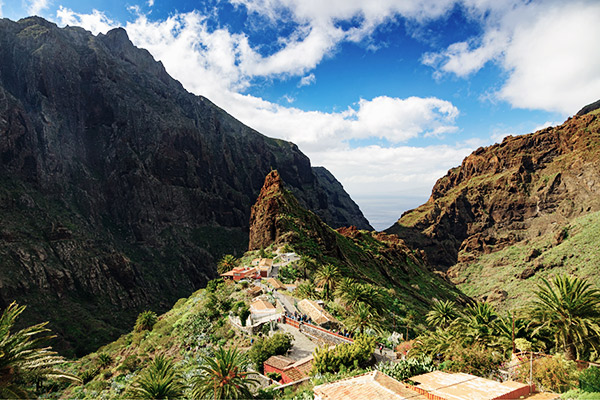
(118, 188)
(517, 196)
(377, 258)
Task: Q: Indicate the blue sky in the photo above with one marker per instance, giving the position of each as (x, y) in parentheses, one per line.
(386, 94)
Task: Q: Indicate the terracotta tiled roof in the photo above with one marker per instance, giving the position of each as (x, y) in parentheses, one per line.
(261, 305)
(464, 386)
(371, 386)
(294, 374)
(315, 312)
(275, 283)
(279, 362)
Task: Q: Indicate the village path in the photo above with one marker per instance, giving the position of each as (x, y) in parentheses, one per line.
(302, 346)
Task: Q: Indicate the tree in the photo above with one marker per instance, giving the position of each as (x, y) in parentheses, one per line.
(570, 309)
(227, 263)
(327, 278)
(159, 381)
(223, 377)
(442, 314)
(362, 317)
(262, 349)
(305, 290)
(306, 264)
(479, 324)
(21, 360)
(145, 321)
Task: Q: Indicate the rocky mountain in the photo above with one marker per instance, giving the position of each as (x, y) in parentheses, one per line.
(376, 258)
(521, 209)
(118, 188)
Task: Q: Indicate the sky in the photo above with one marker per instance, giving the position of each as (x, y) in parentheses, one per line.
(386, 94)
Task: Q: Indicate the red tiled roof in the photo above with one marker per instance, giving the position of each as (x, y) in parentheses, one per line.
(279, 362)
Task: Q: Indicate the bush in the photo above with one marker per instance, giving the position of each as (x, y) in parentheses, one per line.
(213, 285)
(589, 379)
(262, 349)
(404, 369)
(244, 313)
(145, 321)
(554, 373)
(474, 359)
(130, 364)
(89, 374)
(345, 356)
(104, 360)
(276, 376)
(578, 394)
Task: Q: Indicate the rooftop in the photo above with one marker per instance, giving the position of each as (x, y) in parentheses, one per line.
(459, 386)
(279, 362)
(374, 385)
(261, 305)
(315, 312)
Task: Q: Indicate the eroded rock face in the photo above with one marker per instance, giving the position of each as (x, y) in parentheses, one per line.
(105, 158)
(505, 193)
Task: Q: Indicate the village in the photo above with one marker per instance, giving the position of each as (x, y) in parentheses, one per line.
(311, 326)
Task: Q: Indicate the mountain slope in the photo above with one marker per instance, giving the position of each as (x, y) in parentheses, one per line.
(118, 188)
(496, 218)
(369, 257)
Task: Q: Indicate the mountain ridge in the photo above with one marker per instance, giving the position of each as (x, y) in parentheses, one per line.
(119, 189)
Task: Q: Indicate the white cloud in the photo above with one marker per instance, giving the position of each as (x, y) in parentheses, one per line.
(96, 22)
(307, 80)
(36, 6)
(548, 49)
(150, 3)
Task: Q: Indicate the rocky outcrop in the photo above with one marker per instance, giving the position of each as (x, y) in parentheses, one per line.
(367, 256)
(118, 188)
(524, 187)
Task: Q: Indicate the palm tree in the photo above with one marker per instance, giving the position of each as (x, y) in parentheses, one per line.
(442, 314)
(570, 309)
(159, 381)
(145, 321)
(305, 290)
(352, 293)
(21, 360)
(479, 324)
(223, 377)
(227, 263)
(306, 264)
(362, 317)
(327, 278)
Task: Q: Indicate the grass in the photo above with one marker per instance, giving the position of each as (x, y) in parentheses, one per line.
(578, 254)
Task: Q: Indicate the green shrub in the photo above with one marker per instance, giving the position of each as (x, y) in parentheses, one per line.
(554, 373)
(89, 374)
(474, 359)
(578, 394)
(345, 356)
(130, 364)
(244, 313)
(589, 379)
(276, 376)
(104, 360)
(262, 349)
(145, 321)
(404, 369)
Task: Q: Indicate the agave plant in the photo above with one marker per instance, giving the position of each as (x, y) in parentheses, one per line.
(21, 359)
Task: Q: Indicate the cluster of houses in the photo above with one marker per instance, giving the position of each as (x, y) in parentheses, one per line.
(373, 385)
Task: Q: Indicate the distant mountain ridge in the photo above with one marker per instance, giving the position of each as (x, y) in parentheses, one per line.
(118, 188)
